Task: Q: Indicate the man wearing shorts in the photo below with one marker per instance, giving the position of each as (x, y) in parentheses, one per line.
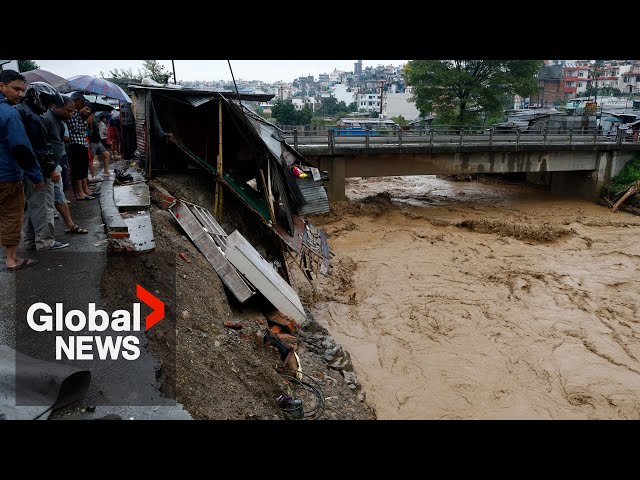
(54, 122)
(96, 146)
(79, 148)
(17, 158)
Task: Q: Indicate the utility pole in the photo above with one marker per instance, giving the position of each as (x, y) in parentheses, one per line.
(174, 72)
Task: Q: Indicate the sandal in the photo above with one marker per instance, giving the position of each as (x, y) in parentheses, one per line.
(77, 229)
(26, 262)
(86, 197)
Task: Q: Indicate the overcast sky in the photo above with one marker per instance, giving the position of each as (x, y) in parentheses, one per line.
(266, 70)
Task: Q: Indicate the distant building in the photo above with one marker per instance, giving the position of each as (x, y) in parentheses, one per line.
(550, 86)
(576, 79)
(336, 76)
(342, 93)
(369, 102)
(9, 65)
(398, 104)
(629, 80)
(357, 68)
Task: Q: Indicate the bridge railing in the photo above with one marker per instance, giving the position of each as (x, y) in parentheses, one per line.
(378, 137)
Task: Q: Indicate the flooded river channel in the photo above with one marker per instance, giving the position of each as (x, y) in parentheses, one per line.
(483, 299)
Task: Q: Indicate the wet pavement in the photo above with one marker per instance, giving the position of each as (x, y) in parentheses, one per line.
(73, 274)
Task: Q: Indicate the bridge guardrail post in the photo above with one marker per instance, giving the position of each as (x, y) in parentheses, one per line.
(517, 138)
(431, 140)
(595, 135)
(295, 138)
(400, 137)
(366, 131)
(544, 139)
(570, 136)
(491, 137)
(461, 134)
(330, 139)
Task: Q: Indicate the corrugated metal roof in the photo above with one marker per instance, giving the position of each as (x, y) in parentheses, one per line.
(315, 196)
(266, 134)
(197, 100)
(182, 92)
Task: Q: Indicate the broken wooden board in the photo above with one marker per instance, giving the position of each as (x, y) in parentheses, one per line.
(132, 197)
(262, 276)
(140, 230)
(229, 276)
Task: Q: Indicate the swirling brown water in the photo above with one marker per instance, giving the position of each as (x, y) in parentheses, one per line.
(484, 300)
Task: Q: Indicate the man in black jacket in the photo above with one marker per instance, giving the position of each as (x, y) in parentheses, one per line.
(38, 226)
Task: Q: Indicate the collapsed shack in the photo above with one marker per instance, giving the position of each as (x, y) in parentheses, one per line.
(261, 185)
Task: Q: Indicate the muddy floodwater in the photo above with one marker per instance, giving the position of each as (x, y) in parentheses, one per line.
(479, 300)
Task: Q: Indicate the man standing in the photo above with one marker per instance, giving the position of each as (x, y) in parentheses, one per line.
(79, 148)
(54, 121)
(38, 231)
(16, 156)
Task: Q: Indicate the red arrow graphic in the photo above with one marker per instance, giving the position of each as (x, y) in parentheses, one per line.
(154, 302)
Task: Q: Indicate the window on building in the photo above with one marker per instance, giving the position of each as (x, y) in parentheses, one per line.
(579, 84)
(581, 74)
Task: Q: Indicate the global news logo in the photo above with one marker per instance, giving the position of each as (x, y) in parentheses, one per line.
(41, 317)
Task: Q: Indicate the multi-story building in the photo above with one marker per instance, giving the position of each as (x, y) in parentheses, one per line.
(576, 79)
(357, 68)
(551, 85)
(342, 93)
(369, 102)
(398, 104)
(629, 79)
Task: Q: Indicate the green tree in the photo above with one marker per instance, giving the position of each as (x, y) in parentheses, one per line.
(352, 107)
(400, 120)
(27, 65)
(460, 91)
(123, 77)
(284, 112)
(327, 106)
(304, 116)
(156, 72)
(342, 114)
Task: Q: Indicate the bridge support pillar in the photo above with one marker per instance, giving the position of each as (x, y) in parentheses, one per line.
(589, 184)
(335, 167)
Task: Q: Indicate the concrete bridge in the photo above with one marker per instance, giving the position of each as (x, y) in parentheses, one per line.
(578, 164)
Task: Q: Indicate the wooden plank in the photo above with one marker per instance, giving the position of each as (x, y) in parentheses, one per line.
(229, 276)
(263, 276)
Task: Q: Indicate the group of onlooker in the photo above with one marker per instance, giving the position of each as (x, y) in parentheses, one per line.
(44, 136)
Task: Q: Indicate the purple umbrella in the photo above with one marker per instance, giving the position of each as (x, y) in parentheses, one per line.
(47, 77)
(99, 86)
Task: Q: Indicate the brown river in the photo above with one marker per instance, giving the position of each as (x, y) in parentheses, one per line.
(483, 300)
